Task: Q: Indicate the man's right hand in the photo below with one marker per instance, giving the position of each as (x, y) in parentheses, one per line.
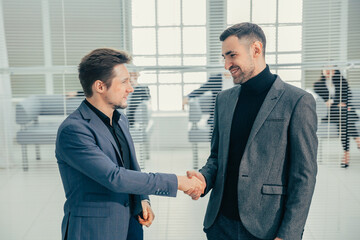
(195, 174)
(190, 185)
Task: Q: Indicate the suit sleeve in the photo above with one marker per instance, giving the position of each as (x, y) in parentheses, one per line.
(303, 167)
(76, 147)
(209, 171)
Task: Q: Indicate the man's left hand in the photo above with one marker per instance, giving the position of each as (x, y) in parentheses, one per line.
(147, 214)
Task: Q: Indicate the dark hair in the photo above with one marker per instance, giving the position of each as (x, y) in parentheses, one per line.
(336, 79)
(99, 65)
(245, 30)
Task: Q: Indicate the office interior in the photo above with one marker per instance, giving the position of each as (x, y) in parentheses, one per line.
(176, 49)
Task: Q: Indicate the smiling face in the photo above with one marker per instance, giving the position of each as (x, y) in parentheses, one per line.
(116, 95)
(238, 59)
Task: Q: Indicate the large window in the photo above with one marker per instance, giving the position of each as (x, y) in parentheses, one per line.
(281, 21)
(170, 33)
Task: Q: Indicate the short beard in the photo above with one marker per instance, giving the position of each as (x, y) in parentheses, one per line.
(243, 78)
(123, 106)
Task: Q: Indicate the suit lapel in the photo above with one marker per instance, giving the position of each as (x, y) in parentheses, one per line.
(100, 127)
(268, 105)
(227, 114)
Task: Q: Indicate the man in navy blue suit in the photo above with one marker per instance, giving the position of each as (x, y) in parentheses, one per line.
(106, 194)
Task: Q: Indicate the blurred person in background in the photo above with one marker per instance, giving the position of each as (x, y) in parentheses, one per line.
(215, 84)
(334, 89)
(141, 93)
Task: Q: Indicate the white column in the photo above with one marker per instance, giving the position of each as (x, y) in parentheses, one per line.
(47, 46)
(344, 34)
(6, 113)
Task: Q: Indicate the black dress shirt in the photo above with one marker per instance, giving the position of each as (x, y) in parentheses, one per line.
(116, 132)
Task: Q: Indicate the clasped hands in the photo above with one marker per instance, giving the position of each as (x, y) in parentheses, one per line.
(193, 184)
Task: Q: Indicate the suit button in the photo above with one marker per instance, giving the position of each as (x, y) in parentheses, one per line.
(126, 204)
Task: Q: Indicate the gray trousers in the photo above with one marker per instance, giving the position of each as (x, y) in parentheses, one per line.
(228, 229)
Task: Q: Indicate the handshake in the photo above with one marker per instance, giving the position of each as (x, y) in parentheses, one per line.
(193, 184)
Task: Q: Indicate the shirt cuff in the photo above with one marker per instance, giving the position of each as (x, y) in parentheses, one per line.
(147, 200)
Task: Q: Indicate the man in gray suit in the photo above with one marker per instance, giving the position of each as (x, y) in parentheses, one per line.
(262, 167)
(106, 194)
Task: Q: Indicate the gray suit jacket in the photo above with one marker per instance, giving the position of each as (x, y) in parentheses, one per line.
(97, 189)
(278, 169)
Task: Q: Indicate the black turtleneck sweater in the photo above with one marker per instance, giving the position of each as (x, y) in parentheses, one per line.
(251, 97)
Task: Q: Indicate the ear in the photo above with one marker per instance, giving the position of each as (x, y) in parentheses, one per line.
(99, 86)
(257, 49)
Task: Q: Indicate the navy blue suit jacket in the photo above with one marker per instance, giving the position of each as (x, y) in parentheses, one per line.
(97, 189)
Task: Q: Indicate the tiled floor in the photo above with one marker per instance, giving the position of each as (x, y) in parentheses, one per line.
(31, 202)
